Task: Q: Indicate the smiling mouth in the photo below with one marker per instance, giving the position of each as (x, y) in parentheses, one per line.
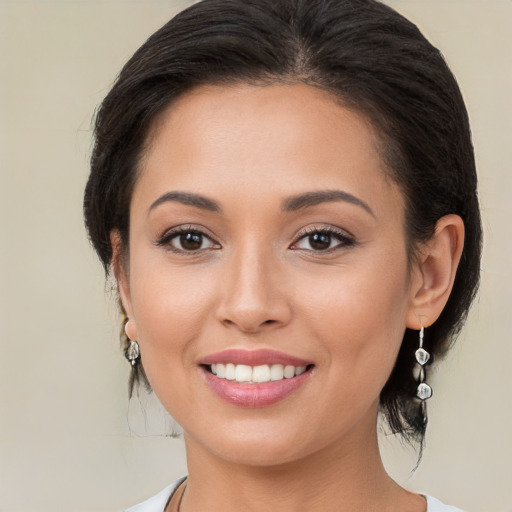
(256, 374)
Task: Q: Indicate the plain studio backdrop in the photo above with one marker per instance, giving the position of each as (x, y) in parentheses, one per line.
(69, 438)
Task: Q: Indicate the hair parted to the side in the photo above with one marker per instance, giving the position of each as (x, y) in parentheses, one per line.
(370, 58)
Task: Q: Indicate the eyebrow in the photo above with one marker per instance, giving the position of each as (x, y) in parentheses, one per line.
(291, 204)
(314, 198)
(187, 199)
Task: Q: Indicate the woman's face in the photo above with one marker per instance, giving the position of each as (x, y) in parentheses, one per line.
(265, 241)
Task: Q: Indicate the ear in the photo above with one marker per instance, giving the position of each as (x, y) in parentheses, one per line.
(434, 272)
(121, 274)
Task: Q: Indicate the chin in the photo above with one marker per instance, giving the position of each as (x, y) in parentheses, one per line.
(258, 444)
(260, 454)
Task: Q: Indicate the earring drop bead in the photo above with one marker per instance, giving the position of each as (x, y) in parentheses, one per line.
(422, 356)
(133, 352)
(424, 391)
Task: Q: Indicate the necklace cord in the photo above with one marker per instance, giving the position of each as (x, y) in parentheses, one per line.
(178, 508)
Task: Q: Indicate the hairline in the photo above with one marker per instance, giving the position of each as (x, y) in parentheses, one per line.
(385, 146)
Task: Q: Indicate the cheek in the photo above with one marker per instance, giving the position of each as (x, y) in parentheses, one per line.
(360, 313)
(170, 309)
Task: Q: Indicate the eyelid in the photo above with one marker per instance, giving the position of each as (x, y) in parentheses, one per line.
(346, 239)
(171, 233)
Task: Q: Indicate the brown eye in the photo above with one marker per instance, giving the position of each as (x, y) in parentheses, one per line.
(323, 240)
(187, 241)
(319, 241)
(190, 241)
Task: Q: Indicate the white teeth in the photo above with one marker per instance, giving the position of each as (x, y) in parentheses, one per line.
(230, 371)
(277, 372)
(243, 373)
(221, 371)
(289, 371)
(261, 373)
(256, 374)
(299, 370)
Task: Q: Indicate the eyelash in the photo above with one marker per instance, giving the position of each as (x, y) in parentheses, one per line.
(167, 238)
(344, 239)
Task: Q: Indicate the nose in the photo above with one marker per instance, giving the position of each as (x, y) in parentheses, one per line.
(254, 297)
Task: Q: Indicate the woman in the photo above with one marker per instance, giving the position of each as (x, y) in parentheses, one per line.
(285, 192)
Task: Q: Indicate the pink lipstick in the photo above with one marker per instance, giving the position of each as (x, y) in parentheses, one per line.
(254, 378)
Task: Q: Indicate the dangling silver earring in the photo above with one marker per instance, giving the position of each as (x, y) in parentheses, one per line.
(133, 353)
(424, 391)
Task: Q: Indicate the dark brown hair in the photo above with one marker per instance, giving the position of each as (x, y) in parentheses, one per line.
(366, 54)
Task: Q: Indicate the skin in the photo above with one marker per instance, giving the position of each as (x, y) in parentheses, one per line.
(258, 282)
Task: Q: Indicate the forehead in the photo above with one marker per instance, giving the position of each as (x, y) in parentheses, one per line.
(285, 110)
(276, 138)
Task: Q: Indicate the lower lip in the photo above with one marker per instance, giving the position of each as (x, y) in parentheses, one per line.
(254, 395)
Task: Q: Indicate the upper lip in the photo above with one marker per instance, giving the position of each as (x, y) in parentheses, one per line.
(253, 358)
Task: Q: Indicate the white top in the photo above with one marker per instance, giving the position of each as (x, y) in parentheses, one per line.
(158, 502)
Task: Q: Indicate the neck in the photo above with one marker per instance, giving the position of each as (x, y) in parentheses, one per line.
(347, 477)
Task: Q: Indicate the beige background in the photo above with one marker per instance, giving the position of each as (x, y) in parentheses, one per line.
(69, 440)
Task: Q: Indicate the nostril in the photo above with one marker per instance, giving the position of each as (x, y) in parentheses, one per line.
(249, 326)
